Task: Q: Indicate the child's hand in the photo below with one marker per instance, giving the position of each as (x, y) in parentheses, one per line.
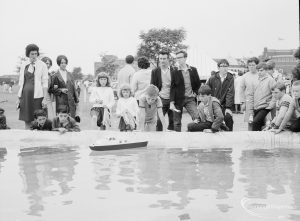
(62, 130)
(196, 121)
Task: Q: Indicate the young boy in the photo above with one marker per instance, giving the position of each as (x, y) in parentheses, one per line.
(40, 121)
(260, 97)
(293, 111)
(63, 122)
(3, 125)
(150, 106)
(283, 102)
(210, 111)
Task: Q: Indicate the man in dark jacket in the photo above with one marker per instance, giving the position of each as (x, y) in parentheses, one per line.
(161, 78)
(184, 88)
(222, 85)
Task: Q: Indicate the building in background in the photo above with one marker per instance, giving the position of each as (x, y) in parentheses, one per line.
(284, 59)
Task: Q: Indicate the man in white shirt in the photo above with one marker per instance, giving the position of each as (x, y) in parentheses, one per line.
(126, 73)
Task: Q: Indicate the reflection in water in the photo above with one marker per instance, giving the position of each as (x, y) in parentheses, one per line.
(3, 153)
(43, 168)
(162, 171)
(267, 172)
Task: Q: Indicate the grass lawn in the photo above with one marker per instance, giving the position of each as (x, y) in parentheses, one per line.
(12, 115)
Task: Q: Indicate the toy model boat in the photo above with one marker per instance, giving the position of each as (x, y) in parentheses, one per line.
(115, 144)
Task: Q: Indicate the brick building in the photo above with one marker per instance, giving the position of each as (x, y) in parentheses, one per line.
(284, 59)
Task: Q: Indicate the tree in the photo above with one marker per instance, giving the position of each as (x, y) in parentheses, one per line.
(108, 64)
(77, 73)
(156, 40)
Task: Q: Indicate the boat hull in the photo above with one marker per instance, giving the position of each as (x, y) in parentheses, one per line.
(119, 146)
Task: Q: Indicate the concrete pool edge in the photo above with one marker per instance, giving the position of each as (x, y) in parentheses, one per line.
(25, 138)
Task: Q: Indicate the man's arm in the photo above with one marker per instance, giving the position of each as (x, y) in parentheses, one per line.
(279, 118)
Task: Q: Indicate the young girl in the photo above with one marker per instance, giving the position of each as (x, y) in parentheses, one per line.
(127, 109)
(102, 97)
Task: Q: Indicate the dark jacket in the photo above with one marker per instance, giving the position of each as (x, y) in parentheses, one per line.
(224, 92)
(156, 77)
(215, 110)
(63, 100)
(47, 125)
(178, 88)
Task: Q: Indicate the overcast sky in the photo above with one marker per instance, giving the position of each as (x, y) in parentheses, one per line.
(82, 29)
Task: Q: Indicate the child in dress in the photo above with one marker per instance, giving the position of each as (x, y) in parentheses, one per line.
(40, 121)
(3, 125)
(64, 122)
(102, 97)
(127, 109)
(150, 107)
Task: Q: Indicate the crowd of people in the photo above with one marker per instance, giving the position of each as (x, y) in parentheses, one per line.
(49, 101)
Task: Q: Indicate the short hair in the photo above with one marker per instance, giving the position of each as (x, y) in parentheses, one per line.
(60, 58)
(205, 90)
(31, 47)
(280, 86)
(62, 110)
(253, 59)
(125, 87)
(103, 75)
(183, 52)
(297, 53)
(262, 65)
(1, 110)
(223, 61)
(39, 113)
(129, 59)
(45, 59)
(143, 63)
(271, 64)
(152, 91)
(164, 52)
(296, 83)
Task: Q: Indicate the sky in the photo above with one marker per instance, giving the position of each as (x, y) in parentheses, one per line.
(83, 29)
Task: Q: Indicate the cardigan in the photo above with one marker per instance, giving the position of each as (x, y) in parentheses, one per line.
(40, 78)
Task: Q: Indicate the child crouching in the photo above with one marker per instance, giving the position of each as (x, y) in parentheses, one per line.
(3, 125)
(40, 121)
(63, 122)
(210, 111)
(127, 109)
(293, 113)
(151, 107)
